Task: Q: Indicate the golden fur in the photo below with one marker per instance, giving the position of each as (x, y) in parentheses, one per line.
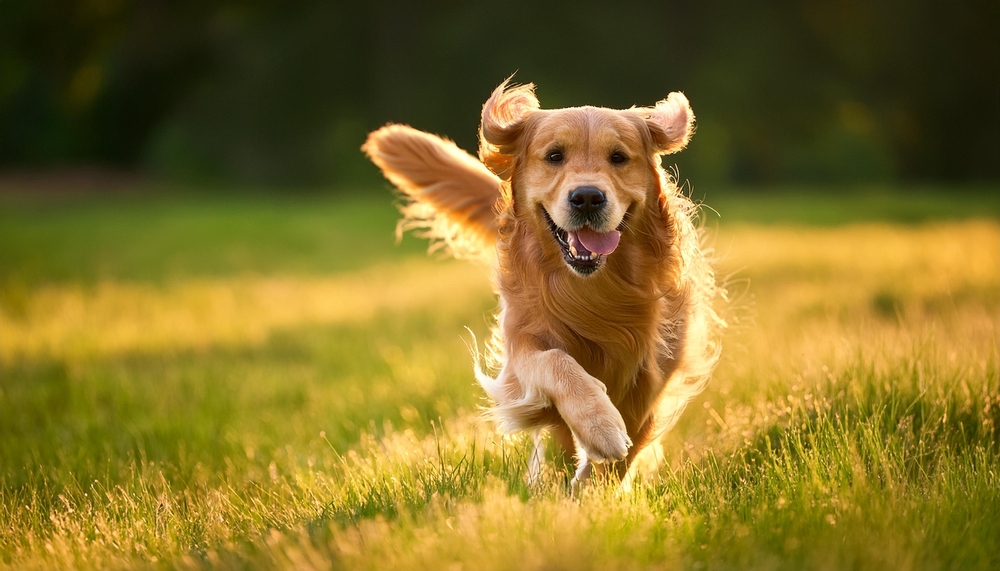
(606, 354)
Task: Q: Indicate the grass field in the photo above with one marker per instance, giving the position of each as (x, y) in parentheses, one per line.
(252, 381)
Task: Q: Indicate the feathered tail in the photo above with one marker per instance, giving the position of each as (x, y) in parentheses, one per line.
(450, 195)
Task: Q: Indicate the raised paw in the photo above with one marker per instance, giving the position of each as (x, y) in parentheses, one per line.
(603, 435)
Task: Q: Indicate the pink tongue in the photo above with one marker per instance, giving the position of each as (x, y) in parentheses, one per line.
(599, 242)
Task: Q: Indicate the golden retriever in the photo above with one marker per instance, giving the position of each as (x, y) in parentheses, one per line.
(606, 328)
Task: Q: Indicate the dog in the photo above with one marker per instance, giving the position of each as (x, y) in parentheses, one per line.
(606, 326)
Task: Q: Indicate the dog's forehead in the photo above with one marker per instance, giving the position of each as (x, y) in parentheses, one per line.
(592, 125)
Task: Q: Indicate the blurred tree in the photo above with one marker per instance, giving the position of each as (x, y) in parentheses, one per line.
(284, 92)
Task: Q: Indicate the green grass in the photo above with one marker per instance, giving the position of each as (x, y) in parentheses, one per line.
(270, 382)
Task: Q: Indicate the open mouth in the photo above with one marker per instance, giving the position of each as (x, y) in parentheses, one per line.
(583, 249)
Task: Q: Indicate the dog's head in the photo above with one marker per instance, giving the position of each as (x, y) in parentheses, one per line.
(580, 172)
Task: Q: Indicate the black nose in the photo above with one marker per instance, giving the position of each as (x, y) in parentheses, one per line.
(587, 199)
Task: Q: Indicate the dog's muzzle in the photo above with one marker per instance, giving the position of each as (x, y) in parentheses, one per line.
(583, 249)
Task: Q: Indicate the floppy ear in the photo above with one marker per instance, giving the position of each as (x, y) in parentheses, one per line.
(670, 122)
(503, 121)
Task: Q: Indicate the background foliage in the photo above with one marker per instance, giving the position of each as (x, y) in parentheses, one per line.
(284, 92)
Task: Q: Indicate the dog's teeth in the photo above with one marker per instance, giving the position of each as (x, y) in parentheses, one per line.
(572, 250)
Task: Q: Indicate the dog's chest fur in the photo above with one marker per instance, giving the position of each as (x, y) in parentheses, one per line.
(611, 323)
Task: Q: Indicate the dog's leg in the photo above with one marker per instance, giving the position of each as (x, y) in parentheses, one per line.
(536, 460)
(584, 469)
(564, 451)
(639, 413)
(581, 400)
(566, 447)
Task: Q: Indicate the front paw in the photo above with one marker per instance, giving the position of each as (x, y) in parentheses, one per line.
(603, 435)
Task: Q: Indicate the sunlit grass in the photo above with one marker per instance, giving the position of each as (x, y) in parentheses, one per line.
(301, 416)
(61, 320)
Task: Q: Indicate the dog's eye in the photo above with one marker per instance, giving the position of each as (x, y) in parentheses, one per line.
(618, 158)
(554, 157)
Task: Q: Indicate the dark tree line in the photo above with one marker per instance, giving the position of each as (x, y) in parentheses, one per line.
(284, 92)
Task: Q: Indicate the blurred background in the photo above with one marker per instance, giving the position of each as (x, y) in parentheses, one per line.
(282, 94)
